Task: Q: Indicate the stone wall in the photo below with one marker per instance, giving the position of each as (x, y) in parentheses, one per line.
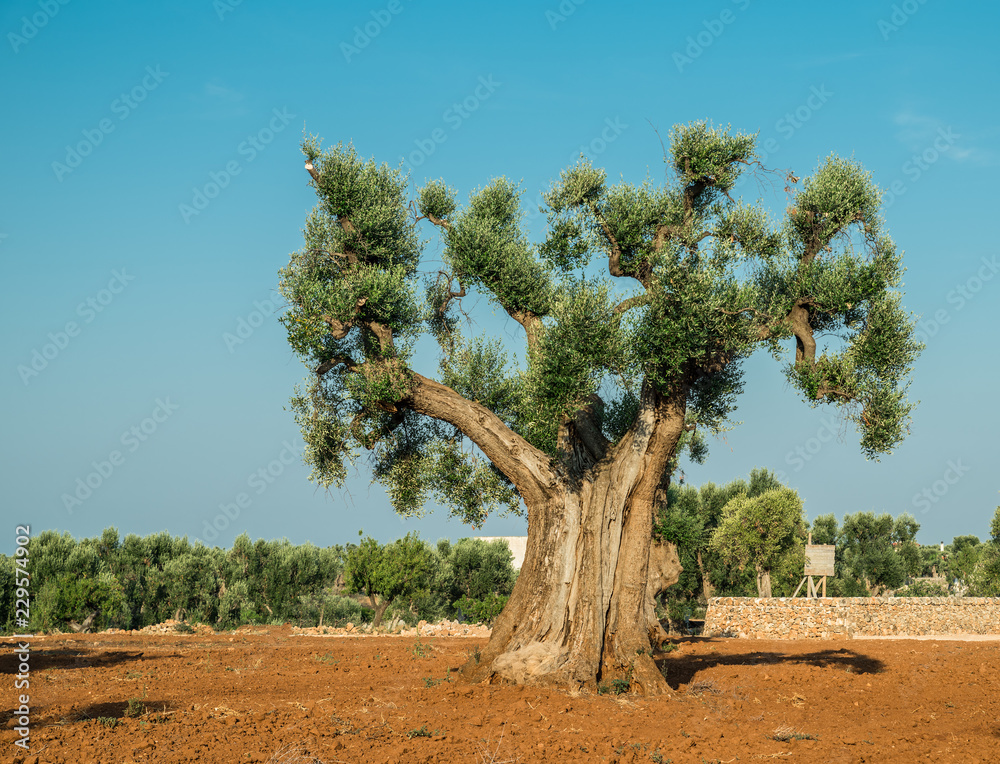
(846, 617)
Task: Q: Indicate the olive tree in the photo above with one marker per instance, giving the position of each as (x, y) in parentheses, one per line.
(761, 532)
(984, 580)
(384, 573)
(867, 563)
(619, 364)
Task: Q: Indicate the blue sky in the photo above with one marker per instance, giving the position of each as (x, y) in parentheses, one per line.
(151, 188)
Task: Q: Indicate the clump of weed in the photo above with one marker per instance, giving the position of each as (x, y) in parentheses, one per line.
(431, 682)
(616, 687)
(136, 706)
(785, 733)
(420, 731)
(420, 649)
(108, 721)
(703, 686)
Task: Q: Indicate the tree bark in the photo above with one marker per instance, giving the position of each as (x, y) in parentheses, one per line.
(379, 611)
(763, 583)
(583, 610)
(707, 590)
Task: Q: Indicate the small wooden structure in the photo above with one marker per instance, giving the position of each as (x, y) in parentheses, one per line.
(819, 562)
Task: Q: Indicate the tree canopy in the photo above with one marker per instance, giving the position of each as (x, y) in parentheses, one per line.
(695, 281)
(385, 572)
(760, 532)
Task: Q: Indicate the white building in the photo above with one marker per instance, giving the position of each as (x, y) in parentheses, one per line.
(517, 545)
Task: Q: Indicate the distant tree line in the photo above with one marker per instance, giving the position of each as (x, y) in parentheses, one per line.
(105, 582)
(742, 539)
(747, 539)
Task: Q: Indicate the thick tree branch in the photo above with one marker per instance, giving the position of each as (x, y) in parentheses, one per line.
(350, 257)
(805, 342)
(331, 363)
(581, 442)
(652, 439)
(452, 295)
(382, 333)
(340, 329)
(664, 232)
(631, 302)
(439, 222)
(525, 466)
(614, 249)
(311, 168)
(530, 321)
(822, 392)
(532, 325)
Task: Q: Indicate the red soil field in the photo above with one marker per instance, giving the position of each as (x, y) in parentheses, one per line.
(270, 695)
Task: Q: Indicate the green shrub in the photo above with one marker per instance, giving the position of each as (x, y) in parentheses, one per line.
(337, 610)
(923, 589)
(481, 611)
(69, 597)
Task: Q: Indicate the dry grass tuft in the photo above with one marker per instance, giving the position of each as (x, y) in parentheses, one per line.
(704, 686)
(292, 754)
(785, 733)
(487, 756)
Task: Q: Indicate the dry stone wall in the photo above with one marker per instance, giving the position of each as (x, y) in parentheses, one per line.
(846, 617)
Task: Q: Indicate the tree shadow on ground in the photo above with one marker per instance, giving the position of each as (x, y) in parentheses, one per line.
(42, 659)
(120, 709)
(681, 669)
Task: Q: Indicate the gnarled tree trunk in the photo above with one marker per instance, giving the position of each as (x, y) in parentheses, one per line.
(582, 610)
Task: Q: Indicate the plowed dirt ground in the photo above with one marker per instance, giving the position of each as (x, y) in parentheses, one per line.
(272, 696)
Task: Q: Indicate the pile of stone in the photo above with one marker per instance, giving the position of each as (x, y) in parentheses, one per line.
(397, 626)
(170, 626)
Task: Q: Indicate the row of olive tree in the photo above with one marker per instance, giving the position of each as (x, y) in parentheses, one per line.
(748, 539)
(739, 539)
(471, 578)
(973, 564)
(105, 582)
